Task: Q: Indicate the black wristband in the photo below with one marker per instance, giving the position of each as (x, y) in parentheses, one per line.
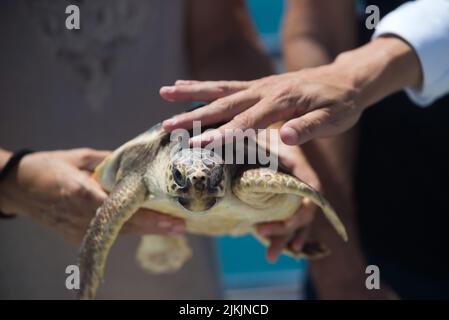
(10, 165)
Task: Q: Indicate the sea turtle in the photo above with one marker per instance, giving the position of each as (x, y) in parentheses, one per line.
(214, 198)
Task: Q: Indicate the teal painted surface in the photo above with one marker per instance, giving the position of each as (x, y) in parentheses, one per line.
(243, 265)
(267, 14)
(361, 6)
(246, 253)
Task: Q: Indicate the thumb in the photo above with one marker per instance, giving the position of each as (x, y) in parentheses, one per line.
(307, 127)
(96, 192)
(87, 159)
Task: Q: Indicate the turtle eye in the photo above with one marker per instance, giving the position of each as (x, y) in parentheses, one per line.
(216, 176)
(179, 177)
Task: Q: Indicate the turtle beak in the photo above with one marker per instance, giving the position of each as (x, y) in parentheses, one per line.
(197, 205)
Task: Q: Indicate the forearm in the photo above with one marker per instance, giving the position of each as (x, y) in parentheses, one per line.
(375, 70)
(223, 43)
(240, 60)
(312, 53)
(316, 31)
(429, 38)
(341, 274)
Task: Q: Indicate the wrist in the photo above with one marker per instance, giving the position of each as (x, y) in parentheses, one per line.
(6, 201)
(379, 68)
(8, 174)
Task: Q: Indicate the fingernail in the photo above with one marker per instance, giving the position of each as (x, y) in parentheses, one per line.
(289, 135)
(168, 122)
(164, 224)
(167, 89)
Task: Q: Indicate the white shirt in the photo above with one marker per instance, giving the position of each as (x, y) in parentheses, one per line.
(424, 24)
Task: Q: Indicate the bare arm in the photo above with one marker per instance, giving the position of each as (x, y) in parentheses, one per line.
(316, 102)
(222, 42)
(55, 189)
(316, 31)
(310, 32)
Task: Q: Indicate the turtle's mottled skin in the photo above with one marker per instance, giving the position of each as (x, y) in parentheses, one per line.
(212, 197)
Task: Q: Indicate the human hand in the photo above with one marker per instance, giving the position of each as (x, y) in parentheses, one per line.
(56, 189)
(289, 234)
(293, 232)
(315, 103)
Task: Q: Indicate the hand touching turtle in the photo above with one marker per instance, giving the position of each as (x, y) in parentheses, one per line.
(315, 102)
(55, 188)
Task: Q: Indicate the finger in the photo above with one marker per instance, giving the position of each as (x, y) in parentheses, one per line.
(270, 229)
(185, 82)
(89, 195)
(149, 222)
(220, 110)
(93, 159)
(201, 91)
(97, 192)
(85, 158)
(84, 200)
(259, 116)
(297, 242)
(280, 228)
(301, 218)
(277, 244)
(305, 214)
(314, 124)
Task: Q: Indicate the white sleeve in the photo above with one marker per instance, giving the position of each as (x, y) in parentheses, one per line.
(424, 24)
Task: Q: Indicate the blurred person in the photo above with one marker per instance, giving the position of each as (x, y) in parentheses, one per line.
(378, 168)
(61, 89)
(318, 102)
(388, 176)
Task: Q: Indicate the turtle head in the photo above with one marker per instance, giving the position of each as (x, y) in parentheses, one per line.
(196, 178)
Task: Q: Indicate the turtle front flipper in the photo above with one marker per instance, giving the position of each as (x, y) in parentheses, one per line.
(256, 186)
(163, 253)
(124, 200)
